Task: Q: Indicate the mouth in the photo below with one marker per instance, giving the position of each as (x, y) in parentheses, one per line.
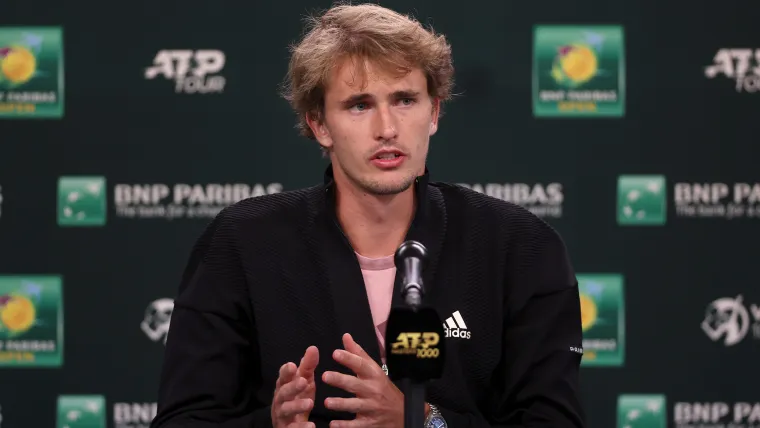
(387, 155)
(388, 158)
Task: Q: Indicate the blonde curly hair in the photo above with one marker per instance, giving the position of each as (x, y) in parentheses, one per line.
(395, 42)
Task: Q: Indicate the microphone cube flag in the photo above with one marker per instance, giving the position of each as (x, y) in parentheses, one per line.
(415, 347)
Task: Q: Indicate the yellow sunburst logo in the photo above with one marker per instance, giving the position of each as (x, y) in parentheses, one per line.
(18, 314)
(19, 65)
(579, 63)
(588, 311)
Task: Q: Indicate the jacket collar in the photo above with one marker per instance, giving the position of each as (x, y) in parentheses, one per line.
(420, 193)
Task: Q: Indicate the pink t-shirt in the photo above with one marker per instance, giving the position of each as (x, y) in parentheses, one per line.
(379, 275)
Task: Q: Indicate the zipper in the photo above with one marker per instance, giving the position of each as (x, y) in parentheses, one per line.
(347, 242)
(350, 248)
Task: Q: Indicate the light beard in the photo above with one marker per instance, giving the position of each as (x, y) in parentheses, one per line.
(378, 188)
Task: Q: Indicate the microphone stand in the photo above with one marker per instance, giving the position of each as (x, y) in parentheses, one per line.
(414, 391)
(415, 351)
(414, 403)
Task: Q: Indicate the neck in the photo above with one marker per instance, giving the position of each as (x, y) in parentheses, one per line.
(376, 225)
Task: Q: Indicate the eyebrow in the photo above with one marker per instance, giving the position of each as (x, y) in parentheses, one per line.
(353, 99)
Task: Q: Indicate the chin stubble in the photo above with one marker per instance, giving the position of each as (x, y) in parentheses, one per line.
(382, 189)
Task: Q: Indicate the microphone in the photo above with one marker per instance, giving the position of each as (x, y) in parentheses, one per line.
(414, 341)
(412, 257)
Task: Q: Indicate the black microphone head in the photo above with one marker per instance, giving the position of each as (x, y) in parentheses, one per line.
(411, 249)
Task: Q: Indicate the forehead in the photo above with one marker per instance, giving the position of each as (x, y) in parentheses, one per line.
(352, 76)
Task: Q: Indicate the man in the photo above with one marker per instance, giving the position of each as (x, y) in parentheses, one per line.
(281, 311)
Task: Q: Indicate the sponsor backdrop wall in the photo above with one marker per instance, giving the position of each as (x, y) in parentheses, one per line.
(631, 127)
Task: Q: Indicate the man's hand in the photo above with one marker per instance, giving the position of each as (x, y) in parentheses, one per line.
(294, 392)
(378, 403)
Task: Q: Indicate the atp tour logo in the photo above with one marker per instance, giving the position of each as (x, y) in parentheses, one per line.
(729, 320)
(740, 65)
(194, 72)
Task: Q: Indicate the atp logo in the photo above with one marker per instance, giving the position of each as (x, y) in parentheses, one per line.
(740, 65)
(194, 72)
(729, 320)
(421, 344)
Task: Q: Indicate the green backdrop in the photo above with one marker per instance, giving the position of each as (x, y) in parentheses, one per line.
(631, 127)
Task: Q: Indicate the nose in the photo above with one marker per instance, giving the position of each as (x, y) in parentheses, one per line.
(385, 124)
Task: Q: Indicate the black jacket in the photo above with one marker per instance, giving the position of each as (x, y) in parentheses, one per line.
(274, 274)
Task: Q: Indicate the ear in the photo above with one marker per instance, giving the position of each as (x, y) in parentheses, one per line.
(321, 133)
(434, 116)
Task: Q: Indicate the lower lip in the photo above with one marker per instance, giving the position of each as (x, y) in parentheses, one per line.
(388, 163)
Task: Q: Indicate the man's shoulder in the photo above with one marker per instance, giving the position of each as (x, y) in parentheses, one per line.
(491, 219)
(465, 199)
(531, 242)
(268, 210)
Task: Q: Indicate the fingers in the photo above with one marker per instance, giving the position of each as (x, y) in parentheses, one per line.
(290, 390)
(352, 405)
(354, 423)
(287, 372)
(285, 406)
(368, 366)
(288, 410)
(364, 367)
(309, 362)
(345, 382)
(295, 407)
(351, 346)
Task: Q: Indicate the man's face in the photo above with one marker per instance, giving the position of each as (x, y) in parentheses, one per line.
(377, 133)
